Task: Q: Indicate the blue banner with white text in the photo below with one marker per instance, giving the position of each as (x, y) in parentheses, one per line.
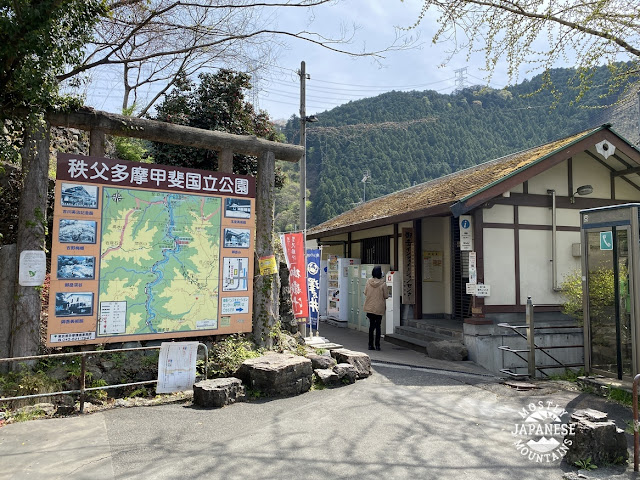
(313, 286)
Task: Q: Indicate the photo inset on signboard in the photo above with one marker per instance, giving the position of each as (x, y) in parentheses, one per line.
(77, 231)
(74, 303)
(237, 208)
(73, 195)
(76, 267)
(236, 238)
(235, 274)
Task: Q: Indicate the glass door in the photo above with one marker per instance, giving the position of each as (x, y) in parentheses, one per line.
(609, 302)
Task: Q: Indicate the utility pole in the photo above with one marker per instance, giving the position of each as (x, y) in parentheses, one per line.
(303, 159)
(365, 178)
(302, 327)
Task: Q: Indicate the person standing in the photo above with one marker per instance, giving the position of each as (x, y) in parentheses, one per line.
(375, 292)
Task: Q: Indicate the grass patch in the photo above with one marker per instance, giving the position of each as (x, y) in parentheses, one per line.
(26, 415)
(620, 396)
(227, 355)
(26, 382)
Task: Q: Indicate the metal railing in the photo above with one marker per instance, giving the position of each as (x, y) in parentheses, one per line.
(530, 360)
(82, 391)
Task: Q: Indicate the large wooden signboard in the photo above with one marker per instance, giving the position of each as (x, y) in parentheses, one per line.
(143, 251)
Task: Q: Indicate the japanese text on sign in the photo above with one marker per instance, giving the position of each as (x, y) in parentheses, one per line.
(115, 172)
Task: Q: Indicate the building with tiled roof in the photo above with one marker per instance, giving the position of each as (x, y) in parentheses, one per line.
(519, 218)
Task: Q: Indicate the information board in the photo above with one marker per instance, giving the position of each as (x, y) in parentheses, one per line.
(144, 251)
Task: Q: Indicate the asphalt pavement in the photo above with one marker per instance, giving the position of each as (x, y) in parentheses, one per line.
(414, 417)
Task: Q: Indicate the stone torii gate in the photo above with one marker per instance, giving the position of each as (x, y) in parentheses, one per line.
(25, 338)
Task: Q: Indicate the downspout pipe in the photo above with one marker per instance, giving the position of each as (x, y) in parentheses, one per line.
(554, 263)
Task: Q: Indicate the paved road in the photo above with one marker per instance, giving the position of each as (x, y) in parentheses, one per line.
(421, 422)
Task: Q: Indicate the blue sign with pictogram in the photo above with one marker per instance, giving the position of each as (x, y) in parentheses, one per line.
(606, 240)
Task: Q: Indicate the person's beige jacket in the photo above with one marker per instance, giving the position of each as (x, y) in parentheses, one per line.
(376, 293)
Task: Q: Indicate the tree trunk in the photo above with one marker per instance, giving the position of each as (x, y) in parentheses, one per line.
(32, 222)
(265, 287)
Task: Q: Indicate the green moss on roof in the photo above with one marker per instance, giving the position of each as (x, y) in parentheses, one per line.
(445, 190)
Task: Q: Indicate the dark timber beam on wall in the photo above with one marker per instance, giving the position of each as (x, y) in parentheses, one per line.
(417, 235)
(516, 251)
(570, 188)
(613, 172)
(532, 200)
(477, 308)
(396, 241)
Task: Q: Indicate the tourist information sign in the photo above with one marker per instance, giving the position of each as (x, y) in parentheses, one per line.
(143, 251)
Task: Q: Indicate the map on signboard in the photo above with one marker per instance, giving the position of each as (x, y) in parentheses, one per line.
(159, 262)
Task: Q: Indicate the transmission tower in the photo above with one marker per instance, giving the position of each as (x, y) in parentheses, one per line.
(461, 79)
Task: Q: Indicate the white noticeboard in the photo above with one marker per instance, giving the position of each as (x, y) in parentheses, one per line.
(483, 290)
(177, 366)
(473, 271)
(33, 268)
(466, 233)
(471, 288)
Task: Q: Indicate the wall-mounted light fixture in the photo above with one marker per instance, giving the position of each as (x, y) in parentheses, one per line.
(311, 119)
(582, 190)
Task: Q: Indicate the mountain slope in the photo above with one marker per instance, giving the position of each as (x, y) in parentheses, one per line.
(398, 139)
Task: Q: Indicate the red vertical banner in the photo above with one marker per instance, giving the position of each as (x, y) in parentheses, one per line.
(294, 251)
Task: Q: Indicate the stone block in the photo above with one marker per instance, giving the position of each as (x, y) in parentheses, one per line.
(341, 374)
(596, 437)
(346, 372)
(218, 392)
(276, 374)
(361, 361)
(447, 350)
(327, 377)
(321, 361)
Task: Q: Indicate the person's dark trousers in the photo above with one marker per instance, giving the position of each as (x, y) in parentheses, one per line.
(375, 322)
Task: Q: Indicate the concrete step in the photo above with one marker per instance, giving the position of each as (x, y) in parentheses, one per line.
(407, 342)
(421, 334)
(452, 333)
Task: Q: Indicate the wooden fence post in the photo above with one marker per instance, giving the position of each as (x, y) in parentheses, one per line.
(97, 142)
(32, 222)
(225, 161)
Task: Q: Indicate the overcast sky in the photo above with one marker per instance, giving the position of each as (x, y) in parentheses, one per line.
(336, 78)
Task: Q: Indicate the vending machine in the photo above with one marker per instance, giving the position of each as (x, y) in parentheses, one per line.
(354, 295)
(338, 289)
(392, 317)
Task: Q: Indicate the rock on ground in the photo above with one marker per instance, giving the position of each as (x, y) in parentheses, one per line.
(275, 374)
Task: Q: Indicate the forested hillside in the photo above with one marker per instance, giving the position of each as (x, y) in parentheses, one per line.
(401, 138)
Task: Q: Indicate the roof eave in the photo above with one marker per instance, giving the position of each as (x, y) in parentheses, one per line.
(434, 211)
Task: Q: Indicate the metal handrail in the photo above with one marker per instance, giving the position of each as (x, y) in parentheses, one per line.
(532, 346)
(83, 389)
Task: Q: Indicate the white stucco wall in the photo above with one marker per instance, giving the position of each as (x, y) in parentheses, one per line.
(587, 171)
(498, 214)
(499, 267)
(553, 179)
